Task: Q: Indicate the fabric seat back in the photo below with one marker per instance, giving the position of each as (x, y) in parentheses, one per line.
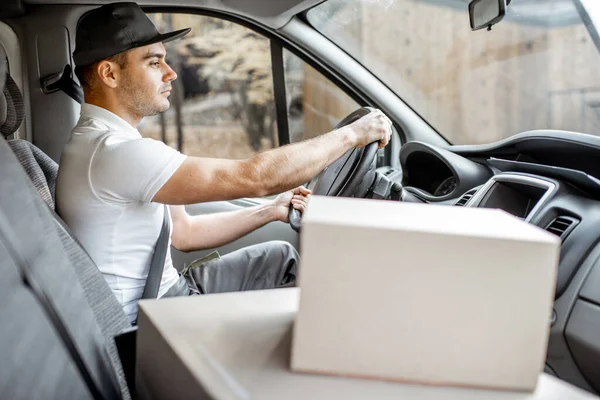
(45, 280)
(64, 317)
(41, 169)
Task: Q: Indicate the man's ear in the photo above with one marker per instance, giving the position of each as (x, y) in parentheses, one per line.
(109, 73)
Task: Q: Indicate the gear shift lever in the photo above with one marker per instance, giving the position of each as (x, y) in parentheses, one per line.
(398, 193)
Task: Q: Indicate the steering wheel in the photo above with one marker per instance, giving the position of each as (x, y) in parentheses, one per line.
(345, 175)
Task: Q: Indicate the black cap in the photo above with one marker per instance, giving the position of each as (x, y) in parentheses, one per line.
(114, 28)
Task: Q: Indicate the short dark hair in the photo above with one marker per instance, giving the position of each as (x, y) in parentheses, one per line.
(85, 73)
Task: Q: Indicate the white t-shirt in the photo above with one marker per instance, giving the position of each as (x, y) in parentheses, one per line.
(107, 178)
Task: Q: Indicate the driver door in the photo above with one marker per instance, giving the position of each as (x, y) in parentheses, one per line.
(226, 103)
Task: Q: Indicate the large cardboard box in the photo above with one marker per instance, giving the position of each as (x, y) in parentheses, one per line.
(232, 346)
(423, 293)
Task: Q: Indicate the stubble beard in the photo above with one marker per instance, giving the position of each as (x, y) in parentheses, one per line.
(141, 103)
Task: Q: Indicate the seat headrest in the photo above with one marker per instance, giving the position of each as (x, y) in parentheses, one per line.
(12, 108)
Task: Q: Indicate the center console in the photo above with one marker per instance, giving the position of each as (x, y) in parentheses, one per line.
(516, 194)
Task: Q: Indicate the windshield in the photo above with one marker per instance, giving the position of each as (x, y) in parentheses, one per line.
(537, 69)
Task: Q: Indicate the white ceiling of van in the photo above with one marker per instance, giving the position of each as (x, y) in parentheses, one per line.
(272, 13)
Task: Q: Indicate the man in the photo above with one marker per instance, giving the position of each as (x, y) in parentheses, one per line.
(112, 182)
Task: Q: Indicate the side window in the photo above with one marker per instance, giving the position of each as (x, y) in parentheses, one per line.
(222, 102)
(314, 104)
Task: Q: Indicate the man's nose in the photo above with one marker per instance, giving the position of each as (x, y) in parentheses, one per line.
(169, 75)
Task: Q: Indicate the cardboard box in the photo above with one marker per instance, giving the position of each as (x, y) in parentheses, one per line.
(232, 346)
(423, 293)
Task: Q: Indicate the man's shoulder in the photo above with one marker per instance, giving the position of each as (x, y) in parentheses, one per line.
(95, 136)
(106, 147)
(85, 134)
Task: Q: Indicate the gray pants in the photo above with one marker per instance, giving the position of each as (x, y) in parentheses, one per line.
(263, 266)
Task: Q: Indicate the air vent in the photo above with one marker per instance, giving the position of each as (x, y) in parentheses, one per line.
(465, 198)
(562, 226)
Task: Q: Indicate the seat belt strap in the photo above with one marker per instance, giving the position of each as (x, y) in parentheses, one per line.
(157, 264)
(63, 81)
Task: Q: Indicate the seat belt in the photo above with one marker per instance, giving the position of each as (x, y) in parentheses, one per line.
(157, 264)
(126, 341)
(63, 81)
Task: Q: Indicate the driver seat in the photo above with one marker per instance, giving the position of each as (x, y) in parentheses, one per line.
(52, 291)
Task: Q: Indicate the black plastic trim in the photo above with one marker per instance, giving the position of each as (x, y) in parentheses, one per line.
(582, 238)
(520, 138)
(584, 341)
(557, 224)
(11, 8)
(468, 173)
(277, 66)
(591, 287)
(559, 356)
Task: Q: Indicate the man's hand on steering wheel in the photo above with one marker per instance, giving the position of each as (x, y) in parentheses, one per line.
(369, 130)
(373, 127)
(296, 198)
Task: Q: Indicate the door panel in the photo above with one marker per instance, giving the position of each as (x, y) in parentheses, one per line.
(271, 231)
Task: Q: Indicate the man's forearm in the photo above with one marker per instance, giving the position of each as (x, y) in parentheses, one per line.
(214, 230)
(289, 166)
(201, 179)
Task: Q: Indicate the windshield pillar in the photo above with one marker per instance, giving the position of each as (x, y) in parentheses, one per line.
(590, 14)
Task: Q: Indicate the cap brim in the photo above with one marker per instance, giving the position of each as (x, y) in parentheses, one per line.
(167, 37)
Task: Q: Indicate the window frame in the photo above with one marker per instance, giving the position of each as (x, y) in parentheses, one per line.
(279, 93)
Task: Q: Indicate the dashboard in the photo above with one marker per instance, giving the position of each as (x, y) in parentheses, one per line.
(548, 179)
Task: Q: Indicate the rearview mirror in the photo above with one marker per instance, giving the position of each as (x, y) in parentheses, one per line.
(485, 13)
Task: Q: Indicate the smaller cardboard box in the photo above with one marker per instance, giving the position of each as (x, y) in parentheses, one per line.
(423, 293)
